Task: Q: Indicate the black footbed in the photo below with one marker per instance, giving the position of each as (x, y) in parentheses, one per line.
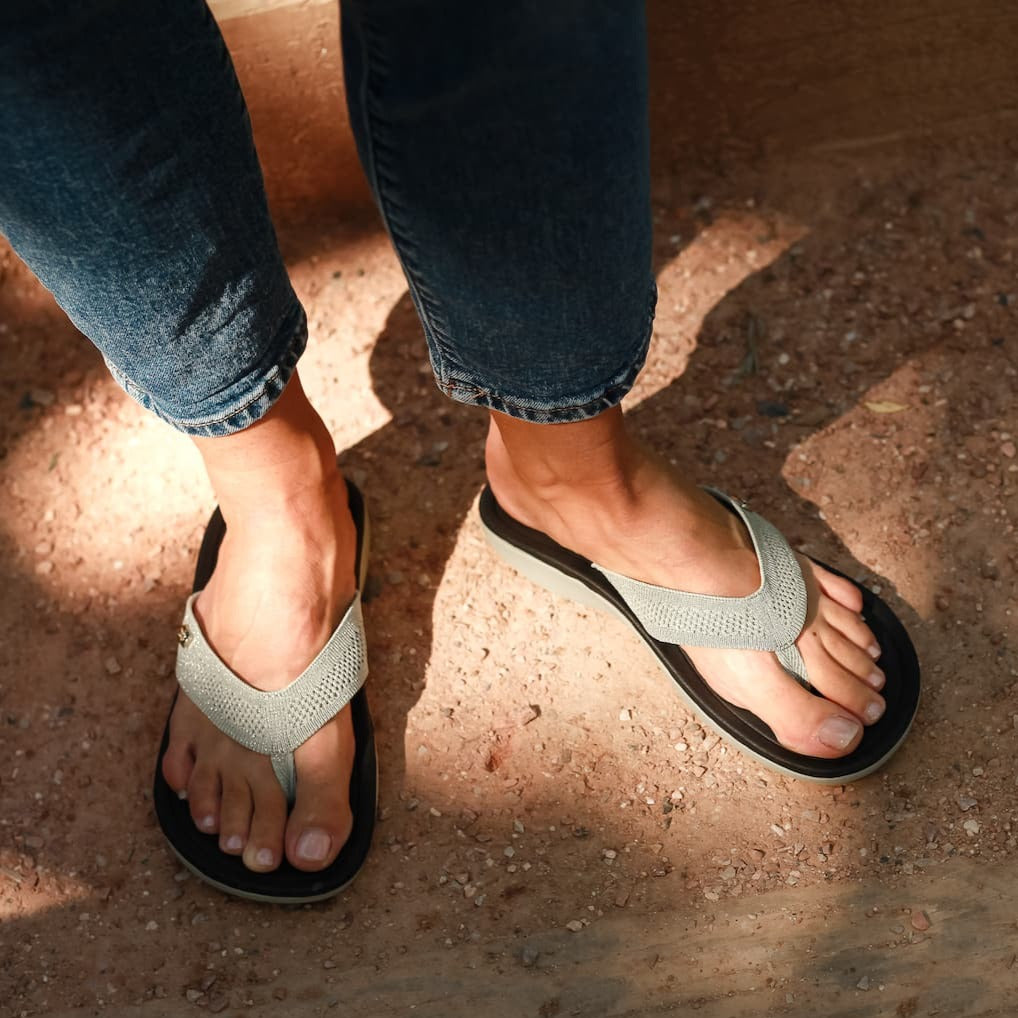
(285, 884)
(898, 661)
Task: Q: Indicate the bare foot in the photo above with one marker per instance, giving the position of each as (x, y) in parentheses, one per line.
(600, 494)
(283, 580)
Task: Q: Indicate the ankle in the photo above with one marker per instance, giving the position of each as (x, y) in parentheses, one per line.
(304, 494)
(566, 463)
(280, 470)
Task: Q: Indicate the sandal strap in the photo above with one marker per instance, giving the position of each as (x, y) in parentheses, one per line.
(277, 722)
(770, 619)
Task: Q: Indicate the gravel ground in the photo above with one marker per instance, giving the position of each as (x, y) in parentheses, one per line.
(834, 342)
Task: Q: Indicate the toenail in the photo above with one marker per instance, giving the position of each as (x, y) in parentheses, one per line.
(207, 822)
(313, 845)
(838, 732)
(234, 843)
(873, 711)
(874, 651)
(264, 857)
(876, 678)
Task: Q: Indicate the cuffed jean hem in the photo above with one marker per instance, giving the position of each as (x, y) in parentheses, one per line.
(244, 402)
(566, 410)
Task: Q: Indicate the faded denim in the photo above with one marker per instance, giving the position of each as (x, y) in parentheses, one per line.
(505, 142)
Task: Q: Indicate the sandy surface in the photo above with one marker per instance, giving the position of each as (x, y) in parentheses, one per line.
(834, 341)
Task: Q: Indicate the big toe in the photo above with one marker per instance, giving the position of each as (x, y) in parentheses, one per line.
(809, 724)
(321, 820)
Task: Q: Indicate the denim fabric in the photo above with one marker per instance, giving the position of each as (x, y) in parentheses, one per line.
(130, 186)
(506, 143)
(507, 146)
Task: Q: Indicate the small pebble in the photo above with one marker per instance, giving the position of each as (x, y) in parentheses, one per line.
(529, 713)
(920, 920)
(574, 926)
(966, 803)
(864, 983)
(42, 397)
(112, 665)
(529, 956)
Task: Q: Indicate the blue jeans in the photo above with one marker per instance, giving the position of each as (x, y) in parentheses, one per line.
(505, 142)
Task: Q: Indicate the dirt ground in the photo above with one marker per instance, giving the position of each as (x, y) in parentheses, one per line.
(835, 341)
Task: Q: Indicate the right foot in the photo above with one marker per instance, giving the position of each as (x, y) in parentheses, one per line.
(283, 580)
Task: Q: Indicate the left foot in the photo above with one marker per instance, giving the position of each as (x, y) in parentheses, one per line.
(625, 509)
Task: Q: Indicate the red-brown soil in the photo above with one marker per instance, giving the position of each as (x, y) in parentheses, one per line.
(835, 341)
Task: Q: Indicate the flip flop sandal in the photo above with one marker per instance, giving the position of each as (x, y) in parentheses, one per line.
(770, 619)
(275, 723)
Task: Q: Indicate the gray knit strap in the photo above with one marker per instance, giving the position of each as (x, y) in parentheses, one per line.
(771, 618)
(274, 723)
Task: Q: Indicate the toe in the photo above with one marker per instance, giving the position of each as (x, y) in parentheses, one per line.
(203, 791)
(838, 589)
(264, 848)
(178, 763)
(837, 683)
(809, 724)
(851, 657)
(850, 624)
(321, 819)
(800, 720)
(235, 815)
